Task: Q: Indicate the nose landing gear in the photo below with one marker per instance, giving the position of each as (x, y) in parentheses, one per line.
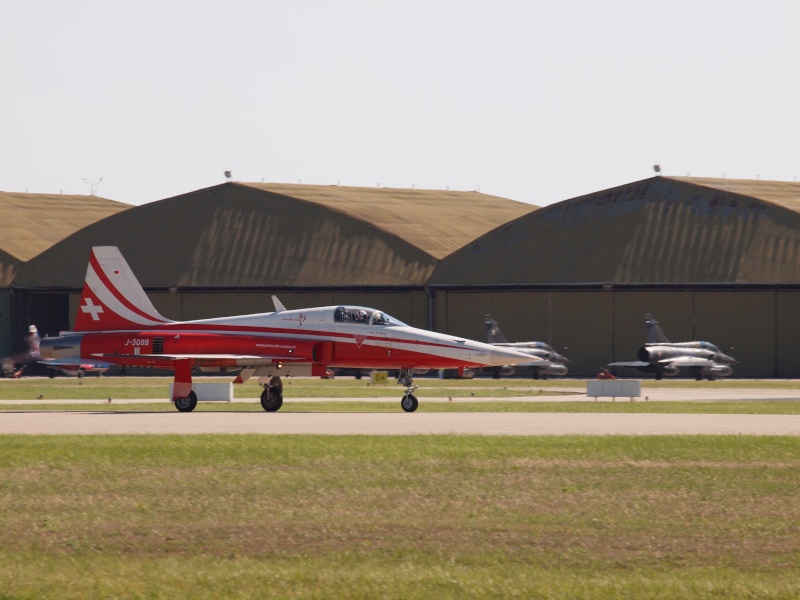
(409, 402)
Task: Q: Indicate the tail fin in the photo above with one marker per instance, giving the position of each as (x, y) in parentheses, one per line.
(654, 333)
(493, 333)
(112, 297)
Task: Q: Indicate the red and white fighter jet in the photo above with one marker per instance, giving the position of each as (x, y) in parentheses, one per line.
(118, 324)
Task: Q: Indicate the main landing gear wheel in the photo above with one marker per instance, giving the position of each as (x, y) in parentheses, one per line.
(186, 404)
(271, 400)
(409, 403)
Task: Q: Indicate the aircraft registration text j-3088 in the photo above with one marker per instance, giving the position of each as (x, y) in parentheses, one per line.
(118, 324)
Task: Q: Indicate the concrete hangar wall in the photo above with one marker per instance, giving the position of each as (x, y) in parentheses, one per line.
(32, 223)
(760, 328)
(711, 259)
(225, 250)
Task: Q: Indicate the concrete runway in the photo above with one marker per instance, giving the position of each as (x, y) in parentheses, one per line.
(58, 422)
(100, 421)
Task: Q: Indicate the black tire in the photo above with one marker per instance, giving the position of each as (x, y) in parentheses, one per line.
(187, 404)
(271, 400)
(409, 403)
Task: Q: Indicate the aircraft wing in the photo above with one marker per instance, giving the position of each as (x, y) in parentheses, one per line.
(633, 363)
(74, 362)
(534, 364)
(687, 361)
(244, 357)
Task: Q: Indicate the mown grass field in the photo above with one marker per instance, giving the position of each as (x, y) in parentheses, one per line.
(399, 517)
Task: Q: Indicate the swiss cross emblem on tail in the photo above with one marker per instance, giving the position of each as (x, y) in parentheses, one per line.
(112, 297)
(89, 308)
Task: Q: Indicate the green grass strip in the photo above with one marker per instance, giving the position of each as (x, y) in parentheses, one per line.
(293, 516)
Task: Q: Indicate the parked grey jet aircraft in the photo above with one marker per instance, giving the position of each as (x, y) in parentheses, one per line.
(662, 357)
(546, 363)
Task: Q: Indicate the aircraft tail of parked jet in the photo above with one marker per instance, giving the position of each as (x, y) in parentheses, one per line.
(654, 333)
(493, 333)
(112, 297)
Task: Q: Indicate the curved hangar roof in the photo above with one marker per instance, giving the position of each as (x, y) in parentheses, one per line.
(257, 235)
(659, 230)
(32, 223)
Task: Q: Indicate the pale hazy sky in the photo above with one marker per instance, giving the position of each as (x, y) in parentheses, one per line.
(530, 100)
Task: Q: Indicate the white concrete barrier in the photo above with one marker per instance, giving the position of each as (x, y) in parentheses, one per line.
(613, 388)
(210, 392)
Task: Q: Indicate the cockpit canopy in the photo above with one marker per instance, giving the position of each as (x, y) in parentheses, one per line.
(363, 316)
(708, 346)
(540, 346)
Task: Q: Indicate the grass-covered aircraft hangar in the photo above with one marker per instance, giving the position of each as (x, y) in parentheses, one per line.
(711, 259)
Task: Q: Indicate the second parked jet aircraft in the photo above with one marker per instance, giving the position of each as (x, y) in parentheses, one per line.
(545, 361)
(662, 357)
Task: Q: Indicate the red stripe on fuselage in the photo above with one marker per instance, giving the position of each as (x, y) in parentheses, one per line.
(337, 336)
(346, 336)
(179, 339)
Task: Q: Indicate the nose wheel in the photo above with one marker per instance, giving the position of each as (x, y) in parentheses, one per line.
(409, 402)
